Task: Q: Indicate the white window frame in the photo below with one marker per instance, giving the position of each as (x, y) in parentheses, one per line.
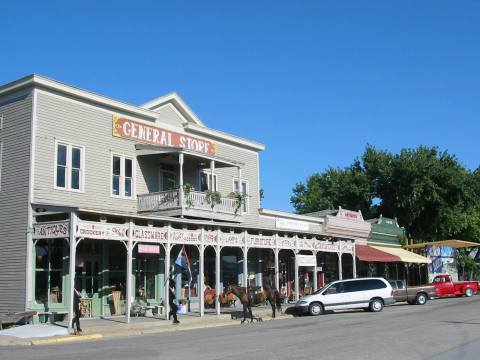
(121, 189)
(68, 167)
(247, 189)
(209, 179)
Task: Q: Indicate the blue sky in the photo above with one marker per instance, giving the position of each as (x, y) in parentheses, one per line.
(315, 81)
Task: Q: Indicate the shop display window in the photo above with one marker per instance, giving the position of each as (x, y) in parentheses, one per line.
(49, 265)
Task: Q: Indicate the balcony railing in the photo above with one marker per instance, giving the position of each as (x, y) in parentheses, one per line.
(194, 200)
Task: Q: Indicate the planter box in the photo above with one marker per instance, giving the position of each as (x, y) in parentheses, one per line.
(182, 309)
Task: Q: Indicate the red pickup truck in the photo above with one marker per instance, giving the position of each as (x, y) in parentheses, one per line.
(446, 287)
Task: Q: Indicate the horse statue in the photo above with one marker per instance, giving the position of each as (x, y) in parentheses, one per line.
(254, 296)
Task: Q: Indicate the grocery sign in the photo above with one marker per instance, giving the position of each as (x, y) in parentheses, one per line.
(153, 135)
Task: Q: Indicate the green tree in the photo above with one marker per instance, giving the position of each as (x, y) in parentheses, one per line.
(430, 192)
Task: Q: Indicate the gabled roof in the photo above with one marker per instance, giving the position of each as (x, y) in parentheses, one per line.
(174, 99)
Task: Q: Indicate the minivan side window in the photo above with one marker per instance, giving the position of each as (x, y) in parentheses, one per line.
(373, 284)
(352, 286)
(334, 289)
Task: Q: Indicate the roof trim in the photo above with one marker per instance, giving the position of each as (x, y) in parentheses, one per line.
(224, 136)
(179, 103)
(41, 81)
(284, 214)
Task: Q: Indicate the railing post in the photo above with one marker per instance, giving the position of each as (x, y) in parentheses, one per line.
(180, 181)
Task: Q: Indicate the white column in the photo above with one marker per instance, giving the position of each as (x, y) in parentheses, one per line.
(180, 181)
(245, 260)
(201, 286)
(297, 287)
(315, 281)
(340, 275)
(217, 279)
(73, 246)
(167, 273)
(212, 172)
(354, 263)
(128, 303)
(277, 271)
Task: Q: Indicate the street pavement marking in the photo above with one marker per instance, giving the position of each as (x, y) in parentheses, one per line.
(67, 339)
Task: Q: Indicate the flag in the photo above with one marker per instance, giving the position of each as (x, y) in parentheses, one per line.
(182, 260)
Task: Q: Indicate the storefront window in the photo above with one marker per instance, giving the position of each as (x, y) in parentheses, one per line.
(49, 260)
(145, 273)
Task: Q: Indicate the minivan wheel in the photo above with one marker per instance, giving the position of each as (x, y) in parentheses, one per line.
(376, 305)
(421, 299)
(315, 309)
(468, 292)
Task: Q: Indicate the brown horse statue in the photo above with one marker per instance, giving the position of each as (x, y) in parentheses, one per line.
(254, 296)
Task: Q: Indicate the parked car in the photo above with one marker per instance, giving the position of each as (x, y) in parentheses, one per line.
(445, 286)
(412, 294)
(367, 293)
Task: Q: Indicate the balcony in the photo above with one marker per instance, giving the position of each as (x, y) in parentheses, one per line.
(192, 204)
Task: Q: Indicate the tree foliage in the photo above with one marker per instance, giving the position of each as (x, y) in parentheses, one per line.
(429, 191)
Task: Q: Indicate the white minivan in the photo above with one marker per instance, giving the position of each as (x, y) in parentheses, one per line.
(367, 293)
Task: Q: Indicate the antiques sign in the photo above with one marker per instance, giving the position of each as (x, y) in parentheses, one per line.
(153, 135)
(51, 230)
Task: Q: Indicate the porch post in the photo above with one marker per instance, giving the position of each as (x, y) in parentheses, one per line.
(217, 279)
(354, 264)
(180, 180)
(212, 171)
(297, 285)
(129, 271)
(315, 280)
(245, 260)
(71, 274)
(340, 275)
(201, 285)
(277, 270)
(167, 273)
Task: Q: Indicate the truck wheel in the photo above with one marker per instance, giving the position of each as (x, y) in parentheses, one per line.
(376, 305)
(421, 299)
(468, 292)
(315, 309)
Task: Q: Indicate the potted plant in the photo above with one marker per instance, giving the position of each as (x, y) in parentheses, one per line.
(239, 198)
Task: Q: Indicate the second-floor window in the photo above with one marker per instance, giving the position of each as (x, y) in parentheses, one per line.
(122, 176)
(208, 181)
(241, 187)
(69, 167)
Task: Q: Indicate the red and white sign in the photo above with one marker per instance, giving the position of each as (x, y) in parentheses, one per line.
(148, 249)
(148, 134)
(349, 214)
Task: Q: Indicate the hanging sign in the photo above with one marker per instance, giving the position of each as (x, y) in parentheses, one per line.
(148, 249)
(51, 230)
(102, 231)
(153, 135)
(306, 260)
(283, 223)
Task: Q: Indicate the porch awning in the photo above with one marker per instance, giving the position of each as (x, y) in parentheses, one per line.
(404, 255)
(371, 254)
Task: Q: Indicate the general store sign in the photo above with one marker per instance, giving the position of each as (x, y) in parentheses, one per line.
(153, 135)
(349, 214)
(102, 231)
(51, 230)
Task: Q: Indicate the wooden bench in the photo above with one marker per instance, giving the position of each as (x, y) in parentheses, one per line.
(13, 318)
(50, 315)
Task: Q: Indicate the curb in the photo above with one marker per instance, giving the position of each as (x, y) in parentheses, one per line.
(131, 332)
(66, 339)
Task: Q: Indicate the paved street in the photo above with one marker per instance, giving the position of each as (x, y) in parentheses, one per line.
(442, 329)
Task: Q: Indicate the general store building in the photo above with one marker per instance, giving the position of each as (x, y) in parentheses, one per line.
(103, 194)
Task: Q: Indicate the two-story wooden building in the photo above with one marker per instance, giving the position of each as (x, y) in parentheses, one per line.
(103, 194)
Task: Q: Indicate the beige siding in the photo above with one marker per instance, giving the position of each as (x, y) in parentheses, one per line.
(15, 137)
(79, 124)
